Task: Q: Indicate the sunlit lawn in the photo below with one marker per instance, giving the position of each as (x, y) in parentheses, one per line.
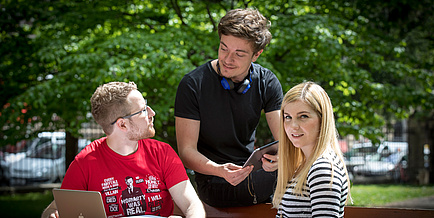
(377, 195)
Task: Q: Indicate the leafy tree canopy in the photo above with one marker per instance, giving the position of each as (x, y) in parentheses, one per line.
(374, 58)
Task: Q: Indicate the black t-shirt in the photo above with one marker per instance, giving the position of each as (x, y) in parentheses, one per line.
(228, 120)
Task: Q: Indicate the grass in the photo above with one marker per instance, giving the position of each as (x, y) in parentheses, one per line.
(378, 195)
(25, 205)
(32, 204)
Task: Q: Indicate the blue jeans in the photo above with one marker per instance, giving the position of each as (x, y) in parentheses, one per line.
(257, 188)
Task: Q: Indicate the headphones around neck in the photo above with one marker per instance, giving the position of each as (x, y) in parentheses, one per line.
(228, 84)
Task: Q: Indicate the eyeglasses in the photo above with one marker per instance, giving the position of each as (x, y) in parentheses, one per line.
(145, 110)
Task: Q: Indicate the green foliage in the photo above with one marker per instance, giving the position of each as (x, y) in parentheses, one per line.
(361, 60)
(54, 54)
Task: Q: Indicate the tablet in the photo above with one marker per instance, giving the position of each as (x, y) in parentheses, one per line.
(255, 157)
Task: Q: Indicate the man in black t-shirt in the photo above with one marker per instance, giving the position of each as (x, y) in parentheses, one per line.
(217, 108)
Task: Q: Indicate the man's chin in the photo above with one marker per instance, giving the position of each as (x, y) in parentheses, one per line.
(151, 133)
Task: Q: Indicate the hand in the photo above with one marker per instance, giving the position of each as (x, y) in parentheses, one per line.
(235, 174)
(50, 211)
(269, 162)
(54, 215)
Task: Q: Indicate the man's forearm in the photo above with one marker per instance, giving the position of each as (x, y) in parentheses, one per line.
(196, 161)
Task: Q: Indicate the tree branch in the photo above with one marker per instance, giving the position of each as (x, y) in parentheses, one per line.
(214, 26)
(178, 11)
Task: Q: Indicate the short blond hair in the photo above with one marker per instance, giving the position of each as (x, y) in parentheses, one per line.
(109, 102)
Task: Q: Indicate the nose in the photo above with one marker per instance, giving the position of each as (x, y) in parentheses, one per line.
(151, 112)
(293, 124)
(229, 57)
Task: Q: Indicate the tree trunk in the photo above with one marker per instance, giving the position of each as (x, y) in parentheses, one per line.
(430, 133)
(71, 149)
(418, 135)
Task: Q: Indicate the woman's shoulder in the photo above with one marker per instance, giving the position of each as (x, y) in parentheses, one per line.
(327, 163)
(322, 160)
(322, 164)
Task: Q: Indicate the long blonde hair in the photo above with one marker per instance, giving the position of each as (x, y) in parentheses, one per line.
(291, 157)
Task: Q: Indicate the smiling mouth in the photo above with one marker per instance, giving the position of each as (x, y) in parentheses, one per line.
(297, 135)
(228, 67)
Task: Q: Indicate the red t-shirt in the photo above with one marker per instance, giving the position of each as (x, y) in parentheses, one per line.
(149, 173)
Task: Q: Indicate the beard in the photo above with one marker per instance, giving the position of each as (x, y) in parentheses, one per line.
(138, 133)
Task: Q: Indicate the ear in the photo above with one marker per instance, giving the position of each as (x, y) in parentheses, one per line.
(122, 124)
(256, 56)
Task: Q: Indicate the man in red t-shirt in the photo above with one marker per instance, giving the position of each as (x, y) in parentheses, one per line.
(134, 174)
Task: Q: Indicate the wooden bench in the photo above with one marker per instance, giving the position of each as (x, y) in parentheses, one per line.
(266, 210)
(259, 211)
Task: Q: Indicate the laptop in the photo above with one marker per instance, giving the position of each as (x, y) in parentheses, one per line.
(79, 204)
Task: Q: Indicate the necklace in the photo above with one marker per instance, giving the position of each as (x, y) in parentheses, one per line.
(253, 189)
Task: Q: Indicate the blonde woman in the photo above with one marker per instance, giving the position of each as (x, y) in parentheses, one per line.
(312, 177)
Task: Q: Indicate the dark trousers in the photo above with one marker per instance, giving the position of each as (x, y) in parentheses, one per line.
(257, 188)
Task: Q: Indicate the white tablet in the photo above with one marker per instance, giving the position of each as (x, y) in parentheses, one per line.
(255, 157)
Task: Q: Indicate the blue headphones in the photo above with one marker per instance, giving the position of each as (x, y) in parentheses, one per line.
(228, 84)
